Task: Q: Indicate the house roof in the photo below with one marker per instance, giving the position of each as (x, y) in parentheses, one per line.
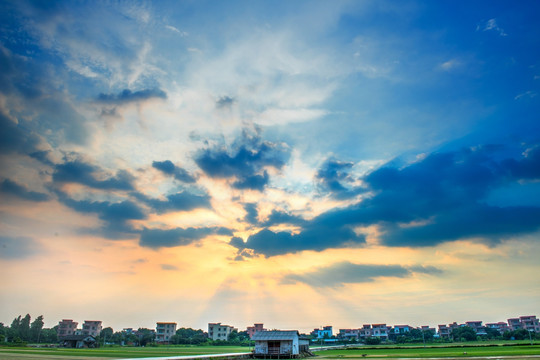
(275, 335)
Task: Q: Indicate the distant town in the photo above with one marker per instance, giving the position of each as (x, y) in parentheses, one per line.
(92, 334)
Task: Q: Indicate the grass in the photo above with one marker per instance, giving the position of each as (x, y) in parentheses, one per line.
(118, 352)
(453, 350)
(449, 350)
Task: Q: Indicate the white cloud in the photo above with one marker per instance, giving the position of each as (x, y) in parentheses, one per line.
(491, 25)
(450, 65)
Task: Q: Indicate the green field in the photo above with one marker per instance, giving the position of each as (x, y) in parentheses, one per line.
(430, 352)
(409, 351)
(115, 352)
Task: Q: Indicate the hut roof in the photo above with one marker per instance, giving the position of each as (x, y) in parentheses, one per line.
(275, 335)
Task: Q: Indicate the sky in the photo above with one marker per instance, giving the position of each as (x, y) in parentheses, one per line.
(292, 163)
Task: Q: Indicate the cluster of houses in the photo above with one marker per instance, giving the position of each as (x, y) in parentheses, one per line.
(384, 332)
(279, 342)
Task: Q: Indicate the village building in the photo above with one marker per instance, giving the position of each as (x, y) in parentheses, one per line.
(251, 330)
(164, 331)
(279, 344)
(66, 327)
(216, 331)
(91, 327)
(79, 341)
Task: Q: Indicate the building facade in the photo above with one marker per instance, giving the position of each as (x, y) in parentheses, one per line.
(251, 330)
(91, 327)
(278, 344)
(66, 327)
(216, 331)
(164, 331)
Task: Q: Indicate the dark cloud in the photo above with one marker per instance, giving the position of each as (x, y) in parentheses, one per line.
(16, 137)
(42, 156)
(225, 102)
(440, 198)
(182, 201)
(157, 238)
(526, 168)
(169, 168)
(254, 182)
(347, 273)
(333, 177)
(127, 96)
(237, 242)
(315, 236)
(169, 267)
(26, 84)
(82, 173)
(252, 213)
(277, 217)
(114, 215)
(246, 162)
(12, 188)
(18, 247)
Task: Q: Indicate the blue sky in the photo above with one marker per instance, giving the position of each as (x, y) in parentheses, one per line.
(237, 157)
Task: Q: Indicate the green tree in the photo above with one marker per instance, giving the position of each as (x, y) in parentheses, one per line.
(466, 333)
(49, 336)
(373, 341)
(14, 329)
(106, 335)
(35, 329)
(146, 336)
(24, 328)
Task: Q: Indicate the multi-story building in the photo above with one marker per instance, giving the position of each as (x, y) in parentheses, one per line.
(514, 324)
(401, 329)
(216, 331)
(91, 327)
(164, 331)
(365, 331)
(66, 327)
(500, 326)
(477, 327)
(251, 330)
(380, 331)
(444, 331)
(349, 334)
(530, 323)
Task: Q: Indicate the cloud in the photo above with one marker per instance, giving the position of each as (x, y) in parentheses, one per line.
(252, 214)
(12, 188)
(315, 235)
(115, 215)
(225, 102)
(526, 95)
(157, 238)
(127, 96)
(491, 25)
(527, 167)
(333, 177)
(169, 267)
(345, 272)
(18, 247)
(450, 65)
(437, 199)
(182, 201)
(14, 138)
(276, 217)
(167, 167)
(246, 162)
(80, 172)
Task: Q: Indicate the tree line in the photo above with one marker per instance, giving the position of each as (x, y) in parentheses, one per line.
(24, 330)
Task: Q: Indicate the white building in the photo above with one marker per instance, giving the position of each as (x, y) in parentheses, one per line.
(164, 331)
(216, 331)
